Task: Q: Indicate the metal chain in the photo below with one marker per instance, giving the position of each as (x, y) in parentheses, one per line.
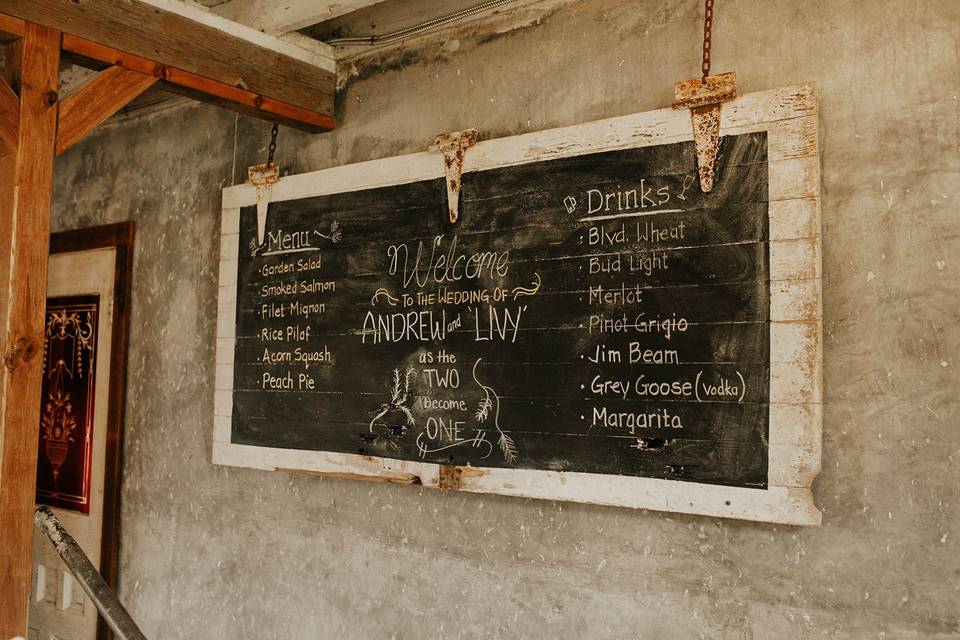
(273, 142)
(707, 38)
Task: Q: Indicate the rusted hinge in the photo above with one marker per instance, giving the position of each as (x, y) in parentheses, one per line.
(704, 96)
(263, 177)
(453, 147)
(21, 352)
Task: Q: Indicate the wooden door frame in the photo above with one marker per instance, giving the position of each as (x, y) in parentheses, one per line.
(119, 236)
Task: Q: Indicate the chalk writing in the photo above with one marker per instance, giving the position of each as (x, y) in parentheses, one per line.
(597, 314)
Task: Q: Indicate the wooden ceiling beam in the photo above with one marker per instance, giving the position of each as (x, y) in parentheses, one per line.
(10, 28)
(95, 56)
(278, 18)
(101, 97)
(192, 52)
(9, 118)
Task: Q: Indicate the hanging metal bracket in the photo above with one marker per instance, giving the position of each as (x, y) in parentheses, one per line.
(263, 177)
(453, 146)
(704, 97)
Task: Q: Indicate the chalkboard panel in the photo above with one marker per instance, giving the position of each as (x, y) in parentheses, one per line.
(557, 326)
(590, 313)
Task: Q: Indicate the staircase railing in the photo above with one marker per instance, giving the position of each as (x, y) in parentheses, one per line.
(103, 597)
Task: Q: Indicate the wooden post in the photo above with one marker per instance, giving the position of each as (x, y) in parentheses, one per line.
(26, 190)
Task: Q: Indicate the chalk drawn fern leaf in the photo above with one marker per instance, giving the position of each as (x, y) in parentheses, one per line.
(483, 409)
(335, 233)
(508, 448)
(409, 378)
(491, 402)
(395, 391)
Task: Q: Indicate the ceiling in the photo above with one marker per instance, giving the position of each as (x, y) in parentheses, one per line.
(325, 20)
(310, 24)
(383, 17)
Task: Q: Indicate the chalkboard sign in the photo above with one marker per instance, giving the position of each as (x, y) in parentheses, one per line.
(593, 326)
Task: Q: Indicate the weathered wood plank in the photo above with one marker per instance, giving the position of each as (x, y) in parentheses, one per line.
(96, 56)
(294, 45)
(28, 229)
(105, 94)
(230, 221)
(11, 28)
(13, 53)
(785, 505)
(275, 18)
(798, 218)
(777, 504)
(9, 118)
(162, 32)
(795, 300)
(8, 165)
(225, 350)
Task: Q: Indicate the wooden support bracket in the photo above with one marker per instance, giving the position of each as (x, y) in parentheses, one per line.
(704, 96)
(453, 146)
(101, 97)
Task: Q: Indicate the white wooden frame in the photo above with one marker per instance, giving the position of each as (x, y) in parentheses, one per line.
(278, 18)
(304, 49)
(789, 116)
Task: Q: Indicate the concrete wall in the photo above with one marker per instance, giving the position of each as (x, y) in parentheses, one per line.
(214, 552)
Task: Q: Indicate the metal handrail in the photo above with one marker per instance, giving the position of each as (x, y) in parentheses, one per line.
(87, 575)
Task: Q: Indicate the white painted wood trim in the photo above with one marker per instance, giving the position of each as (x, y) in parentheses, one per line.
(226, 321)
(277, 18)
(319, 55)
(789, 116)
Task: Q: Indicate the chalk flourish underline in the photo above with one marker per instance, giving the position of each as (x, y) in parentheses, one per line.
(633, 214)
(286, 251)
